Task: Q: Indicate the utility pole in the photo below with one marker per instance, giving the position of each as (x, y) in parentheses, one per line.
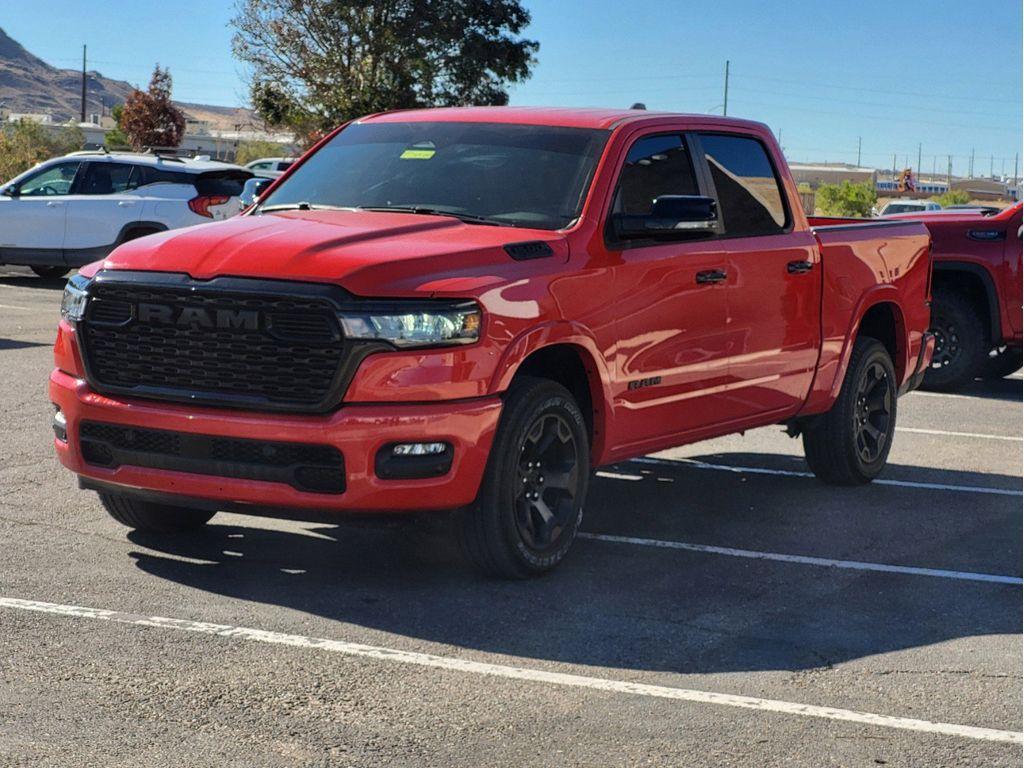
(970, 169)
(858, 151)
(83, 83)
(935, 159)
(918, 169)
(949, 172)
(1016, 157)
(780, 142)
(991, 163)
(725, 101)
(894, 166)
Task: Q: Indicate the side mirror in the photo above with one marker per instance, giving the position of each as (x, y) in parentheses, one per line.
(10, 192)
(672, 217)
(253, 188)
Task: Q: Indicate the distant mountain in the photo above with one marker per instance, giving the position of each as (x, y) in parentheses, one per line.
(29, 84)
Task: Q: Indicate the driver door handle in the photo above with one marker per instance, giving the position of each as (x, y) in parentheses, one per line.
(54, 204)
(126, 203)
(711, 276)
(799, 267)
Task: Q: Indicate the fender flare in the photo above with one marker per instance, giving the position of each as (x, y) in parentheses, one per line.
(563, 333)
(979, 271)
(122, 236)
(880, 294)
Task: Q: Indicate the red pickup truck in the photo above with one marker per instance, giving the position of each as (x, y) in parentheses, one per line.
(469, 309)
(976, 312)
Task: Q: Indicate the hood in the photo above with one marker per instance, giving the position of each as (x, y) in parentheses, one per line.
(367, 253)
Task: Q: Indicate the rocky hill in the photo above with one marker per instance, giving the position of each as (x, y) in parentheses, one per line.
(29, 84)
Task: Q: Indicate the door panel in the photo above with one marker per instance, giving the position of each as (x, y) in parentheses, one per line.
(103, 203)
(35, 218)
(671, 329)
(774, 288)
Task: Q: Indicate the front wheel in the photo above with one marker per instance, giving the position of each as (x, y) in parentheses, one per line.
(531, 501)
(849, 445)
(151, 516)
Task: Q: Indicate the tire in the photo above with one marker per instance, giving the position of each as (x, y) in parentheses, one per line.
(531, 500)
(50, 273)
(1002, 364)
(151, 516)
(839, 445)
(960, 343)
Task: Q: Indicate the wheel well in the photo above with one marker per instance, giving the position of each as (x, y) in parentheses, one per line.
(882, 322)
(140, 229)
(971, 286)
(571, 367)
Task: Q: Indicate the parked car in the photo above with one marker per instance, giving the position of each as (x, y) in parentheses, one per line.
(75, 209)
(909, 206)
(270, 167)
(252, 189)
(433, 337)
(976, 312)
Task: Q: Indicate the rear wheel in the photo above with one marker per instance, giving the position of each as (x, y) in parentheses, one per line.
(1003, 363)
(849, 445)
(151, 516)
(960, 343)
(50, 273)
(531, 501)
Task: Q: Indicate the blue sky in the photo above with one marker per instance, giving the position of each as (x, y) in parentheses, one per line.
(946, 75)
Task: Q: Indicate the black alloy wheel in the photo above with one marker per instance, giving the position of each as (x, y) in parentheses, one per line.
(873, 413)
(546, 501)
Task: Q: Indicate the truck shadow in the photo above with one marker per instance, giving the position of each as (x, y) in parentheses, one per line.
(995, 389)
(646, 608)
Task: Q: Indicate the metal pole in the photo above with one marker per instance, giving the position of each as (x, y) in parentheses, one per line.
(894, 166)
(725, 105)
(991, 164)
(918, 158)
(83, 83)
(970, 170)
(858, 151)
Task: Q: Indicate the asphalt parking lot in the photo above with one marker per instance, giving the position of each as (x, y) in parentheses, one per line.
(723, 609)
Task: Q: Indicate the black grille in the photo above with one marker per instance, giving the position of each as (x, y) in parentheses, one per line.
(306, 467)
(202, 342)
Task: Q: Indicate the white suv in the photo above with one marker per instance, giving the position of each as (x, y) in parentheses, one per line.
(270, 167)
(75, 209)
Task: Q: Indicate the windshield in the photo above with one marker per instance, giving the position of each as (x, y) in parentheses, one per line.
(903, 208)
(520, 175)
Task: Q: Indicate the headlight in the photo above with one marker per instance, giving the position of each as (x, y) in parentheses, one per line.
(416, 324)
(72, 304)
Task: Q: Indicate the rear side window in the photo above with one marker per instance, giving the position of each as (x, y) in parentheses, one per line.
(655, 166)
(229, 183)
(107, 179)
(147, 174)
(749, 194)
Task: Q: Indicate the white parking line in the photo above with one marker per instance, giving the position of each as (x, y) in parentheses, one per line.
(944, 433)
(519, 673)
(804, 560)
(11, 306)
(919, 393)
(693, 463)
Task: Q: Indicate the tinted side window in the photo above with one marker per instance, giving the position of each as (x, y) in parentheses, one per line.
(107, 179)
(150, 175)
(749, 194)
(655, 166)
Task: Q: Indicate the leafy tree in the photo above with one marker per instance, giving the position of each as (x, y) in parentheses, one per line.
(149, 118)
(253, 150)
(25, 144)
(953, 197)
(318, 63)
(847, 199)
(116, 138)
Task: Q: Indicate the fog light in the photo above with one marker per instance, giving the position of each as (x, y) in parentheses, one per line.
(411, 461)
(60, 425)
(418, 449)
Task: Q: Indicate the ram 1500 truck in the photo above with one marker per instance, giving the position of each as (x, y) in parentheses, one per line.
(976, 312)
(469, 309)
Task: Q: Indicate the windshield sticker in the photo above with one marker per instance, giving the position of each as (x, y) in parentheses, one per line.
(423, 151)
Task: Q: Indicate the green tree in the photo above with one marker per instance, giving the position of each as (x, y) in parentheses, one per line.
(953, 197)
(847, 199)
(318, 63)
(25, 144)
(116, 138)
(149, 118)
(253, 150)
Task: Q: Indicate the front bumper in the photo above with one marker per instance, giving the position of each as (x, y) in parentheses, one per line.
(357, 431)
